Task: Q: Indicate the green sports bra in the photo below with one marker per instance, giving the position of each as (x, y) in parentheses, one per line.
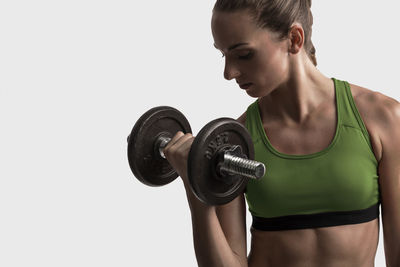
(335, 186)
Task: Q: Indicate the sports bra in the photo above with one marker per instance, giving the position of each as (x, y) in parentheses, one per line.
(335, 186)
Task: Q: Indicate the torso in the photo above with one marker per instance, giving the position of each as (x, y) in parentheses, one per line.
(346, 245)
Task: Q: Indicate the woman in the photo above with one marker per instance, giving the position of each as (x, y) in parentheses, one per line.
(331, 149)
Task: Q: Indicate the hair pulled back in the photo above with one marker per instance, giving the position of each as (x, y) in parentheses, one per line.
(277, 15)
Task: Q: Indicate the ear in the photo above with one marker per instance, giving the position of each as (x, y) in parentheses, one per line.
(296, 38)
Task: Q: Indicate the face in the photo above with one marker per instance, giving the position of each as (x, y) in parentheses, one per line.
(254, 57)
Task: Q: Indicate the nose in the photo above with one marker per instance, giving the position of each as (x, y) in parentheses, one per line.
(231, 71)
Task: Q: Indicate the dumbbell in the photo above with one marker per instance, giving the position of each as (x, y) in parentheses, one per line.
(220, 161)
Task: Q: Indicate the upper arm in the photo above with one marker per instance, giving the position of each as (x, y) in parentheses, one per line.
(242, 118)
(389, 177)
(232, 217)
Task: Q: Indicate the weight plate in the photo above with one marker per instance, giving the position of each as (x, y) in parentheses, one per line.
(144, 159)
(205, 181)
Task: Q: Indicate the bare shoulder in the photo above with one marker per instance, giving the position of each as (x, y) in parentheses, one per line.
(377, 111)
(376, 106)
(242, 118)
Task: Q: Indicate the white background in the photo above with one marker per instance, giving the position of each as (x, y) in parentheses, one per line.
(74, 78)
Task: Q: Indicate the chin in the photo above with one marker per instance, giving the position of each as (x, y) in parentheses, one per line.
(253, 93)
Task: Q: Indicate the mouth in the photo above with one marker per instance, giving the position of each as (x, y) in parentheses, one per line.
(245, 85)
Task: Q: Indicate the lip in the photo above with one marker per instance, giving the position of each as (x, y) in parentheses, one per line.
(245, 85)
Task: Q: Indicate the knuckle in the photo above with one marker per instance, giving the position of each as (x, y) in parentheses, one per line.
(166, 149)
(178, 134)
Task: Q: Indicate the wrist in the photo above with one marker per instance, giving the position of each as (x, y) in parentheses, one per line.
(195, 204)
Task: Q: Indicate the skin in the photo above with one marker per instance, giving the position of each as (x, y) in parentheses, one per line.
(296, 99)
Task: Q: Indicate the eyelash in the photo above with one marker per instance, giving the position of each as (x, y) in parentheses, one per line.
(248, 56)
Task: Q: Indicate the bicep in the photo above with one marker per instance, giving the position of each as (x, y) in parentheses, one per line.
(232, 217)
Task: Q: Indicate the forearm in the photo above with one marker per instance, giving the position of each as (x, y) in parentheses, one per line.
(210, 244)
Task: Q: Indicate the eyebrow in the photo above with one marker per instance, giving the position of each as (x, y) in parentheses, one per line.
(233, 46)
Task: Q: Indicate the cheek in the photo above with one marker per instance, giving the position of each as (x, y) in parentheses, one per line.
(272, 70)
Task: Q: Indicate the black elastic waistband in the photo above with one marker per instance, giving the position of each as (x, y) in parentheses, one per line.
(292, 222)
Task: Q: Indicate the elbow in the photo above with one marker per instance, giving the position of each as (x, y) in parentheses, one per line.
(393, 261)
(234, 261)
(392, 257)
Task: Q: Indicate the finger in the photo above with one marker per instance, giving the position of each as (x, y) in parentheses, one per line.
(174, 139)
(183, 154)
(182, 140)
(186, 143)
(175, 142)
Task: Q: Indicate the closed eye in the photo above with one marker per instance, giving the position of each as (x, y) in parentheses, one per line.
(247, 56)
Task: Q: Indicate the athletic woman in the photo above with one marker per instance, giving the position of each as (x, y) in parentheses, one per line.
(332, 151)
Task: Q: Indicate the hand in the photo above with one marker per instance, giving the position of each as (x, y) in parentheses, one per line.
(177, 153)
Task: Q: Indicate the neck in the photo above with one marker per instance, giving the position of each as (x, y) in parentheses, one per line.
(305, 89)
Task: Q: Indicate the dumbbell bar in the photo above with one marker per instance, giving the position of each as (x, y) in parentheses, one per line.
(217, 166)
(232, 161)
